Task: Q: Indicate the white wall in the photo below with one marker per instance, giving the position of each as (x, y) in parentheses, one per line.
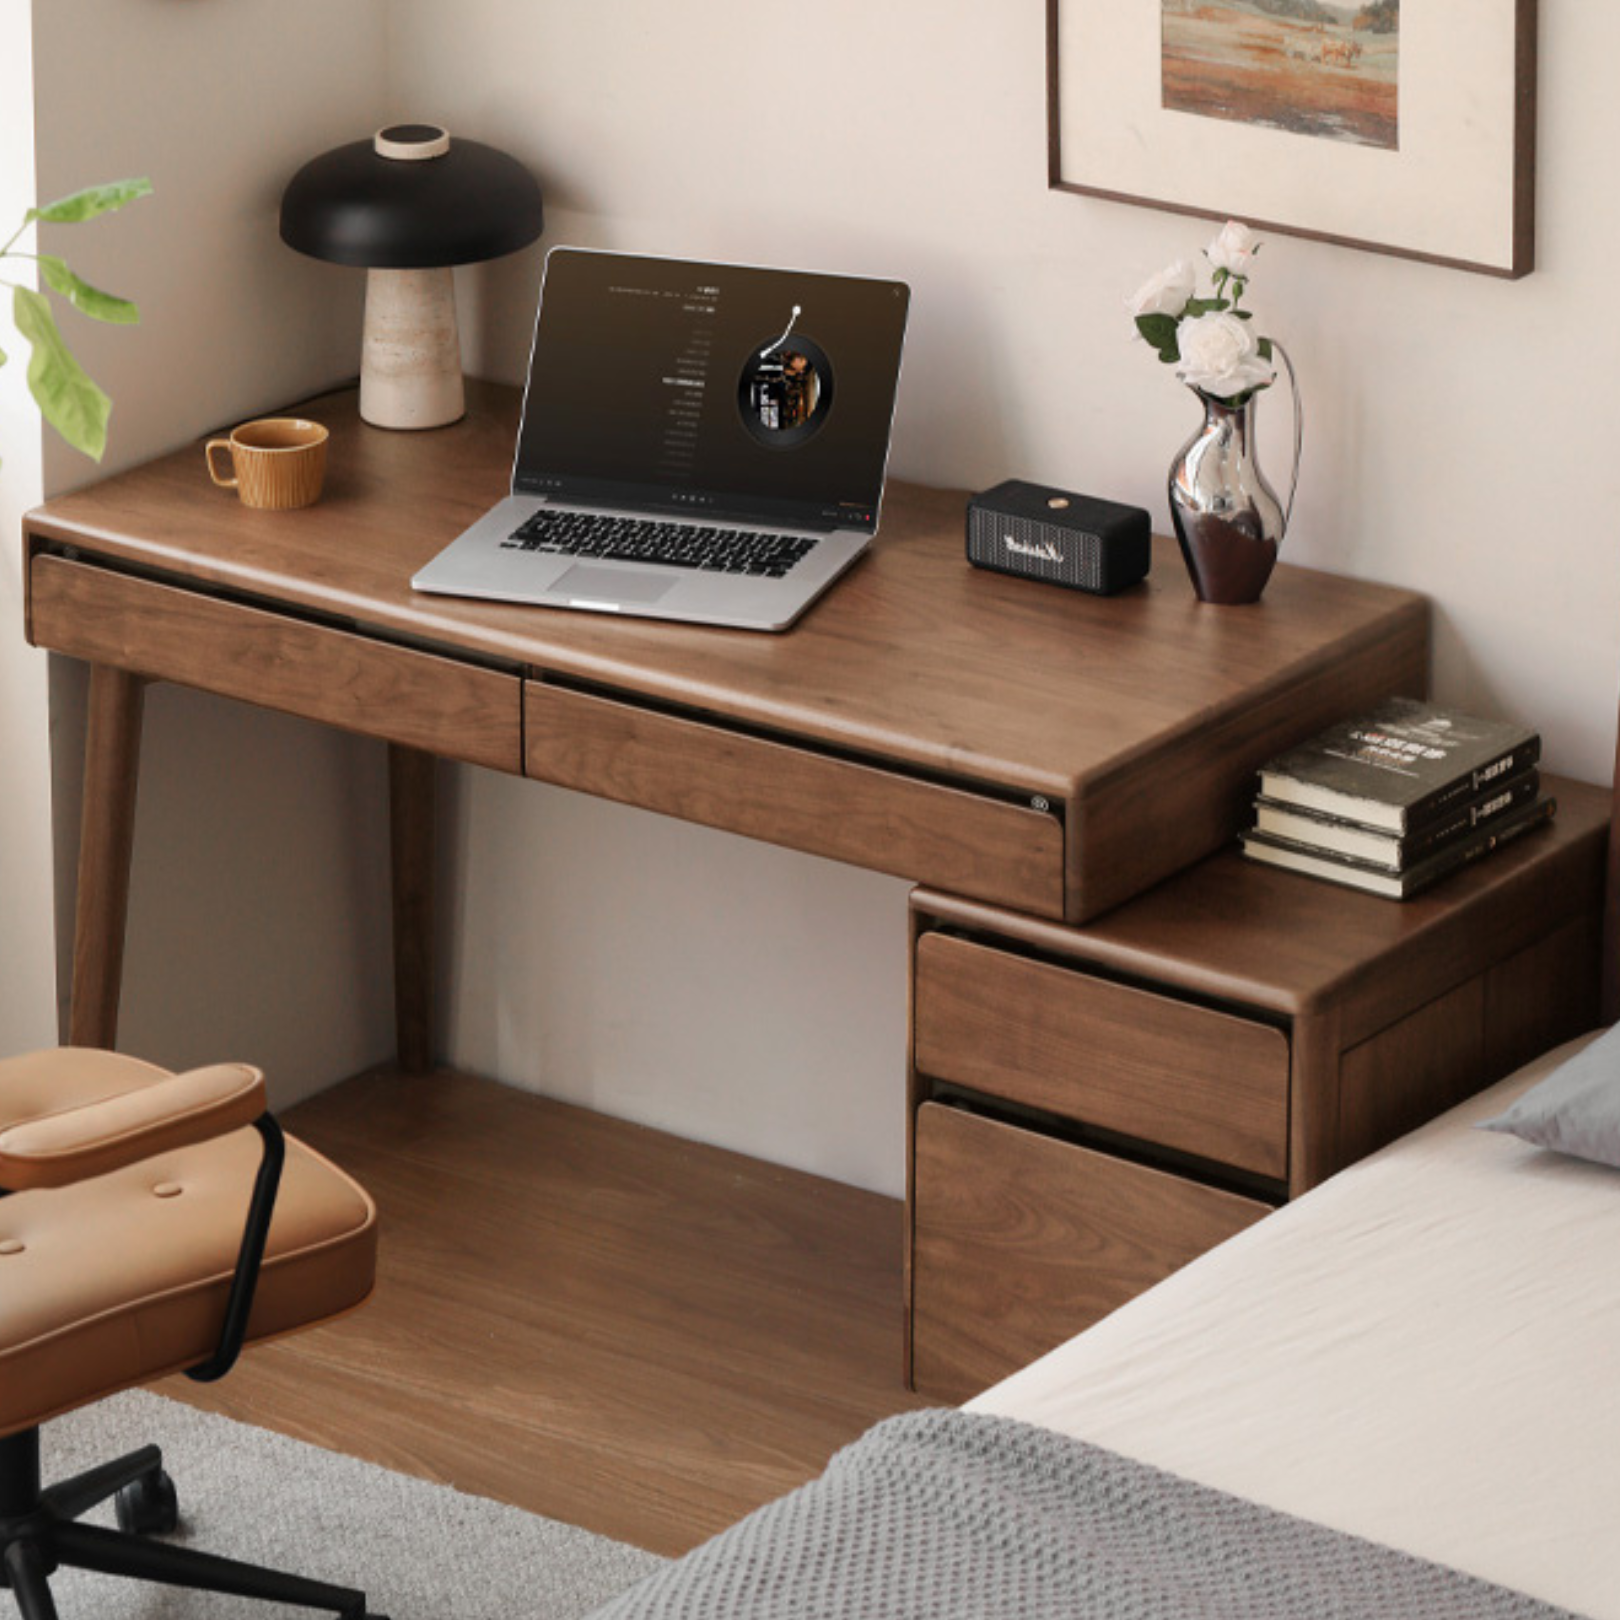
(256, 915)
(1458, 430)
(27, 999)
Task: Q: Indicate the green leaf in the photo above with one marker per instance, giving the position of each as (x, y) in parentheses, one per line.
(1160, 333)
(93, 200)
(1157, 329)
(1206, 306)
(88, 300)
(67, 398)
(1264, 348)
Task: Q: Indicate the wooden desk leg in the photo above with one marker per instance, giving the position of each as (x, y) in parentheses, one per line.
(112, 752)
(411, 823)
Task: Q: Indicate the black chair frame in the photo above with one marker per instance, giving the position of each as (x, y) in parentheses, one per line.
(39, 1528)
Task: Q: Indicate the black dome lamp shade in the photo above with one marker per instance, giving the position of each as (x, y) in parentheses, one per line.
(407, 205)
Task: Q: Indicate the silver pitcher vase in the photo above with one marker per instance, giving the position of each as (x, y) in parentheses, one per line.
(1228, 519)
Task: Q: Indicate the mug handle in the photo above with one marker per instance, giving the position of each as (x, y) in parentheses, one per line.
(213, 472)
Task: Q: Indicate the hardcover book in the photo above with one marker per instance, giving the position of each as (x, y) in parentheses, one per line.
(1333, 835)
(1401, 766)
(1400, 885)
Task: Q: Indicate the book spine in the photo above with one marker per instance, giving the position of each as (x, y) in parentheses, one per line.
(1470, 817)
(1436, 804)
(1464, 854)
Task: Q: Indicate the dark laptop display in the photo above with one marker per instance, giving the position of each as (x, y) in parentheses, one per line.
(712, 389)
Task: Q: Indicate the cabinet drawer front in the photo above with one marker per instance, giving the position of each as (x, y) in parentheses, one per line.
(398, 693)
(863, 814)
(1019, 1241)
(1125, 1060)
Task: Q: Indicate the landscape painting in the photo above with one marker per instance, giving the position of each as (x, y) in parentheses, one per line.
(1304, 66)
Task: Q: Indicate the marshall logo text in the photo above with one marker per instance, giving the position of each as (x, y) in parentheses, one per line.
(1046, 550)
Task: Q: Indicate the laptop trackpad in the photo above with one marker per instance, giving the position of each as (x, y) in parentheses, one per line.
(610, 585)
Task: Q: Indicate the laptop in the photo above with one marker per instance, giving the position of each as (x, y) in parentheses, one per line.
(703, 442)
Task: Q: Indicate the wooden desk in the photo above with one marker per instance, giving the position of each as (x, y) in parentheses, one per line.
(1115, 1061)
(996, 739)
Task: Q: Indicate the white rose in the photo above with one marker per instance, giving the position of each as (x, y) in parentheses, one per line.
(1233, 249)
(1166, 293)
(1221, 356)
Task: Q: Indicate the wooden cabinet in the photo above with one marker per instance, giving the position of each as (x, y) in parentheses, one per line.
(1092, 1107)
(1122, 1058)
(1012, 1219)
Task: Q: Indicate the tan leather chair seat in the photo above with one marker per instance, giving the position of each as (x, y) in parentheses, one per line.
(112, 1281)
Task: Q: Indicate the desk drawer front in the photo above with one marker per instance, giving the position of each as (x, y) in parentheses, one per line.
(785, 795)
(1126, 1060)
(397, 693)
(1020, 1241)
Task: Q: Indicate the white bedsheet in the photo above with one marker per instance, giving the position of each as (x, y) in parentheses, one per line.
(1424, 1351)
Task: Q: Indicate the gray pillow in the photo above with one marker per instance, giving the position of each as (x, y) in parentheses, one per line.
(1576, 1109)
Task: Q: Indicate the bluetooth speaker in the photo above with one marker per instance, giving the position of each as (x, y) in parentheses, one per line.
(1058, 536)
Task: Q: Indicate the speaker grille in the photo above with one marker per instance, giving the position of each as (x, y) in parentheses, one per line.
(1037, 550)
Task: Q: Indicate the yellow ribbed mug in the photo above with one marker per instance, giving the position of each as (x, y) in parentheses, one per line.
(277, 462)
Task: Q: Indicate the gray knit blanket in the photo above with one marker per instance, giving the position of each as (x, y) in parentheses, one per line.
(948, 1515)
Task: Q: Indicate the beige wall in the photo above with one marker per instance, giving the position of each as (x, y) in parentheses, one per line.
(255, 835)
(1458, 430)
(27, 1002)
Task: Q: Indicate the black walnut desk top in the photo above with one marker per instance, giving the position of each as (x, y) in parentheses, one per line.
(916, 688)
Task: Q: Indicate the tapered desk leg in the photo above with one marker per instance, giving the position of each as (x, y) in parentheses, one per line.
(112, 753)
(411, 820)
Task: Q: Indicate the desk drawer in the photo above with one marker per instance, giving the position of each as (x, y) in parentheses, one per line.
(457, 710)
(1020, 1240)
(1122, 1059)
(970, 844)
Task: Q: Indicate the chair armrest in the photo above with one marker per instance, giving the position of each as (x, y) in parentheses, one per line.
(75, 1144)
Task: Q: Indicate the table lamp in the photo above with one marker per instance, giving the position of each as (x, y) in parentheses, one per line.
(407, 205)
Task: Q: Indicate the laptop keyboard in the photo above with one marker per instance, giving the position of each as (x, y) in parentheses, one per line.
(668, 545)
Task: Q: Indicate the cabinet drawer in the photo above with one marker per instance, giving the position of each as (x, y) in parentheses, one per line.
(1148, 1066)
(1020, 1240)
(457, 710)
(969, 843)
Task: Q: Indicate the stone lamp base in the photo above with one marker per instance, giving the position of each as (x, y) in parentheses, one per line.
(410, 366)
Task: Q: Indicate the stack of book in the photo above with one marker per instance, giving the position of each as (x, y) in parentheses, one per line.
(1396, 799)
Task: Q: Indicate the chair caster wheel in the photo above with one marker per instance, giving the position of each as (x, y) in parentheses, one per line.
(148, 1506)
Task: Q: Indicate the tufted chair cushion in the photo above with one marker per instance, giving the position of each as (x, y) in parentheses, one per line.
(116, 1256)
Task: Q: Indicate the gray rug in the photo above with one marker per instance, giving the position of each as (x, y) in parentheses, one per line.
(418, 1551)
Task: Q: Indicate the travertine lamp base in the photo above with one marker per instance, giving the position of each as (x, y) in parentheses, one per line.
(410, 367)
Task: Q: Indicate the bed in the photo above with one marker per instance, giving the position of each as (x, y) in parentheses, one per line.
(1409, 1378)
(1424, 1351)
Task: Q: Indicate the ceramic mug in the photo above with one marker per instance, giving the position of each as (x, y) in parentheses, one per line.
(277, 462)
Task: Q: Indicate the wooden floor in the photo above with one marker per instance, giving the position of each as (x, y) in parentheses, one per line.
(585, 1318)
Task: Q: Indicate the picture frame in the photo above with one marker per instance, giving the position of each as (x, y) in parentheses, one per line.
(1310, 117)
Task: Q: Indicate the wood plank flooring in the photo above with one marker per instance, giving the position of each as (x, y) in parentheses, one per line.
(585, 1318)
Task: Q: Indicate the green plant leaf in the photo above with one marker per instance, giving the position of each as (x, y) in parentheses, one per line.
(1160, 332)
(1264, 348)
(88, 300)
(67, 398)
(1157, 329)
(93, 200)
(1206, 306)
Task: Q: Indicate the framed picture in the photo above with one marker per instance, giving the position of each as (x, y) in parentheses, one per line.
(1339, 120)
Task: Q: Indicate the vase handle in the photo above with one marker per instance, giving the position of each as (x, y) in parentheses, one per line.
(1299, 433)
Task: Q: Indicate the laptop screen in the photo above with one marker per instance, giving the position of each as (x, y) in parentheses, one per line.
(668, 386)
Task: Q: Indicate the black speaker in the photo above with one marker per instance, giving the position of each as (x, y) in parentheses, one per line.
(1055, 535)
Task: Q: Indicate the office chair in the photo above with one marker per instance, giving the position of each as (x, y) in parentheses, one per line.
(149, 1223)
